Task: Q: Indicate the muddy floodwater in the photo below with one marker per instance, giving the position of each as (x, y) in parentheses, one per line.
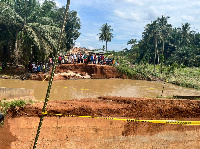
(92, 88)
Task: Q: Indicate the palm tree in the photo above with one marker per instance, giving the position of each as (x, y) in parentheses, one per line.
(186, 34)
(164, 33)
(152, 32)
(164, 30)
(106, 34)
(31, 34)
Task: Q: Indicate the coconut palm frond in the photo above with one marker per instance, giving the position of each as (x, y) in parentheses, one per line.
(49, 33)
(33, 36)
(9, 16)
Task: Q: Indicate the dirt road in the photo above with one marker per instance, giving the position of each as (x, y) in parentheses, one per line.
(74, 132)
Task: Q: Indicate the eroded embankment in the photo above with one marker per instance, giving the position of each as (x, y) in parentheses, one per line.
(73, 132)
(119, 107)
(79, 71)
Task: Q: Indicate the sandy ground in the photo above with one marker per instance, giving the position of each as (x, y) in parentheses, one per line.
(21, 124)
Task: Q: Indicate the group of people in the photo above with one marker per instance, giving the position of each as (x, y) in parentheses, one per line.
(82, 58)
(38, 67)
(69, 59)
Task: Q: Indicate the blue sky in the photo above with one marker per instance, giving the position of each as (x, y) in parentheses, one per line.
(128, 18)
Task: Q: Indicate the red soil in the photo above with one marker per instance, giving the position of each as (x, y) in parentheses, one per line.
(74, 132)
(95, 71)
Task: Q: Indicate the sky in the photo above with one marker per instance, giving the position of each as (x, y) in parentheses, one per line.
(128, 18)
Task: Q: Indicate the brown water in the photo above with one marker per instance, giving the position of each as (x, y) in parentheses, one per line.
(91, 88)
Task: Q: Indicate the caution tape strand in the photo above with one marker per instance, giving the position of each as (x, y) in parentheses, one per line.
(133, 120)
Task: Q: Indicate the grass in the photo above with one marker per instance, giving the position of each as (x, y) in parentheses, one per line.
(6, 105)
(179, 75)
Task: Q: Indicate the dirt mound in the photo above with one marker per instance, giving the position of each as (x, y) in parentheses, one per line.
(73, 132)
(120, 107)
(95, 71)
(80, 71)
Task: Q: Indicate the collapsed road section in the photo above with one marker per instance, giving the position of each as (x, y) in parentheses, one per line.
(20, 124)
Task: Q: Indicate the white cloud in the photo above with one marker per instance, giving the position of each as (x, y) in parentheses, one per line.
(129, 17)
(135, 2)
(91, 48)
(59, 4)
(77, 44)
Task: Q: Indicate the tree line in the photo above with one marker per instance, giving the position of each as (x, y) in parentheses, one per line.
(163, 44)
(29, 30)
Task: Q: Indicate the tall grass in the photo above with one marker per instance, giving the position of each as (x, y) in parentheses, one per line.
(179, 75)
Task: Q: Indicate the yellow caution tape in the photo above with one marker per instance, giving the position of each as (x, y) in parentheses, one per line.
(44, 113)
(135, 120)
(58, 114)
(46, 77)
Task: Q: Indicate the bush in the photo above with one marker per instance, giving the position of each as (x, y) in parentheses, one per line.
(4, 106)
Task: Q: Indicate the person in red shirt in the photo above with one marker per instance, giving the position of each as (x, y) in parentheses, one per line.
(59, 59)
(50, 61)
(95, 58)
(102, 59)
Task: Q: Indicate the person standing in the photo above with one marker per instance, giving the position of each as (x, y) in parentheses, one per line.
(59, 60)
(102, 59)
(85, 58)
(82, 58)
(92, 59)
(50, 61)
(75, 57)
(95, 58)
(99, 59)
(88, 59)
(72, 58)
(65, 58)
(79, 57)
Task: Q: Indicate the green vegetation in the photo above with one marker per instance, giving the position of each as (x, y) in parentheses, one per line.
(5, 105)
(175, 74)
(105, 34)
(30, 30)
(164, 53)
(162, 44)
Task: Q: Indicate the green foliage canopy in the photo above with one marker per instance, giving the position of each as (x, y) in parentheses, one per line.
(30, 30)
(106, 34)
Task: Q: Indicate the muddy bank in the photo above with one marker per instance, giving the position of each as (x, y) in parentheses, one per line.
(95, 71)
(73, 132)
(119, 107)
(80, 71)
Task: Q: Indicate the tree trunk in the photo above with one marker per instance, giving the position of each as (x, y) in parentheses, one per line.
(163, 57)
(106, 46)
(163, 47)
(16, 48)
(155, 55)
(158, 56)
